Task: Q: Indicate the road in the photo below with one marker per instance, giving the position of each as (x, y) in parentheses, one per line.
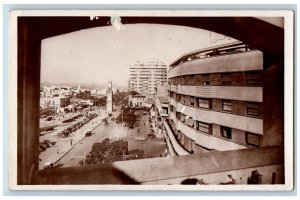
(63, 145)
(151, 147)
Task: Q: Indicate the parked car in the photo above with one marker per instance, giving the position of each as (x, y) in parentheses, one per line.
(151, 135)
(48, 165)
(48, 118)
(88, 133)
(140, 138)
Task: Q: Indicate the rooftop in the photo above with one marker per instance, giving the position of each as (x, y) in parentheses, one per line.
(210, 51)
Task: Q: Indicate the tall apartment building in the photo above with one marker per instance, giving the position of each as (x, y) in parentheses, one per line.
(220, 99)
(144, 76)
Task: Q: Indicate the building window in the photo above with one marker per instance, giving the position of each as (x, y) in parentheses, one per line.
(205, 78)
(190, 122)
(253, 78)
(253, 109)
(182, 118)
(182, 99)
(186, 80)
(204, 103)
(253, 139)
(192, 79)
(192, 101)
(226, 79)
(226, 132)
(226, 105)
(171, 108)
(204, 127)
(178, 115)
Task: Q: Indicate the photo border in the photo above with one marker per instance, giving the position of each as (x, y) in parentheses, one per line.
(288, 85)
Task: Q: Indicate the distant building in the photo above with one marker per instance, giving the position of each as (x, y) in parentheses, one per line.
(83, 94)
(109, 97)
(161, 108)
(135, 101)
(144, 76)
(54, 102)
(86, 94)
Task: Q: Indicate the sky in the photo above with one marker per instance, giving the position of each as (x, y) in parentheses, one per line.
(98, 55)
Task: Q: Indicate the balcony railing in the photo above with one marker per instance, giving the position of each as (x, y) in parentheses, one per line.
(230, 48)
(253, 125)
(221, 92)
(237, 62)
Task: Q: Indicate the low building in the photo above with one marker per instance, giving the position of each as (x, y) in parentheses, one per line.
(83, 94)
(54, 102)
(136, 101)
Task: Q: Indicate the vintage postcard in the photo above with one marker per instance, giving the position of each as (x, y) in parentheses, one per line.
(151, 100)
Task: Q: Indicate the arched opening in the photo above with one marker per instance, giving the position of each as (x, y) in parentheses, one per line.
(32, 30)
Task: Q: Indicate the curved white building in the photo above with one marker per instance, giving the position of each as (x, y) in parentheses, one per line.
(216, 100)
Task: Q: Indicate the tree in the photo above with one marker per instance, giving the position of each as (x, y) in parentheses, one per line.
(128, 116)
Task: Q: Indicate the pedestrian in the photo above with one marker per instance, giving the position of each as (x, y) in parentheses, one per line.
(57, 150)
(71, 141)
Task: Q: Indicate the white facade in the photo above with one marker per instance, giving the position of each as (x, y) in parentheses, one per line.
(144, 77)
(136, 100)
(216, 102)
(54, 102)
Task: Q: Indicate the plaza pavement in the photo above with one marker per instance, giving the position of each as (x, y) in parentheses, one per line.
(151, 147)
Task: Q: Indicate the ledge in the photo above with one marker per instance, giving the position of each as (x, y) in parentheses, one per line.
(177, 147)
(154, 169)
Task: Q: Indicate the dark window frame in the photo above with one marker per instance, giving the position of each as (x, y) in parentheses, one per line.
(205, 79)
(224, 76)
(253, 109)
(225, 104)
(204, 126)
(192, 100)
(252, 80)
(226, 132)
(204, 100)
(252, 144)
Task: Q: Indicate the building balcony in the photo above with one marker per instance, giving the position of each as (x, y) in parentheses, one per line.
(175, 145)
(248, 124)
(242, 61)
(239, 93)
(206, 140)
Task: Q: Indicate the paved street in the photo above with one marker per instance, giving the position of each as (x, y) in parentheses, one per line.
(63, 145)
(151, 147)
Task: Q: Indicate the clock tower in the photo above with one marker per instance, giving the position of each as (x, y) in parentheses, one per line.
(109, 94)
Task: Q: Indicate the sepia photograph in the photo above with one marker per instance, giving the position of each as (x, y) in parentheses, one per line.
(151, 100)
